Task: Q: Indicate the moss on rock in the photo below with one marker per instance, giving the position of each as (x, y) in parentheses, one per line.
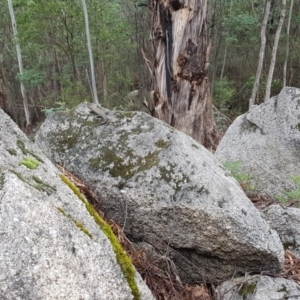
(30, 163)
(121, 256)
(37, 183)
(12, 151)
(125, 168)
(25, 151)
(77, 223)
(162, 144)
(2, 180)
(246, 289)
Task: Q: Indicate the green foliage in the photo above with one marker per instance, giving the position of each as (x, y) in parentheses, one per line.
(56, 62)
(31, 78)
(234, 168)
(240, 28)
(54, 52)
(72, 94)
(61, 107)
(223, 92)
(275, 86)
(293, 195)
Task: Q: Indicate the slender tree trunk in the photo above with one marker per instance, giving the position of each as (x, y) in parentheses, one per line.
(93, 79)
(287, 49)
(261, 53)
(225, 52)
(182, 92)
(3, 83)
(18, 49)
(104, 83)
(2, 98)
(216, 38)
(274, 51)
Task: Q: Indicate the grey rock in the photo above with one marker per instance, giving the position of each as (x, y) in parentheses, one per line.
(267, 142)
(286, 222)
(258, 288)
(166, 190)
(51, 248)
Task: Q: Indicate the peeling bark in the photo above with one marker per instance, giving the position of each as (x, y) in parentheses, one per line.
(182, 92)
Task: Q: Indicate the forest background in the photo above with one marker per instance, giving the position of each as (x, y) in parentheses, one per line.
(52, 39)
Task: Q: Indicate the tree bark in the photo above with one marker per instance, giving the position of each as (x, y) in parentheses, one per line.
(261, 53)
(274, 51)
(93, 79)
(287, 47)
(20, 62)
(225, 52)
(182, 93)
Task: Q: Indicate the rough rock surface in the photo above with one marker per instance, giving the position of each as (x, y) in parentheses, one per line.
(286, 222)
(167, 190)
(259, 288)
(44, 252)
(267, 142)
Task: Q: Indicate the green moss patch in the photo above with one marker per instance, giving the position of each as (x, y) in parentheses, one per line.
(30, 163)
(248, 126)
(121, 256)
(37, 183)
(68, 138)
(124, 114)
(246, 289)
(125, 168)
(289, 245)
(12, 151)
(167, 175)
(2, 180)
(283, 289)
(25, 151)
(162, 144)
(77, 223)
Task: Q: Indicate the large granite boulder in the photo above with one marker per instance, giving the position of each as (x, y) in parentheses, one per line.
(50, 246)
(266, 141)
(286, 222)
(258, 287)
(164, 189)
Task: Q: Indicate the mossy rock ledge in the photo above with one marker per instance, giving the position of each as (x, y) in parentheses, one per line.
(166, 190)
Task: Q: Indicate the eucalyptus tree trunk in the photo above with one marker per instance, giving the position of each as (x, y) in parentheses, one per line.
(93, 79)
(274, 51)
(181, 87)
(226, 47)
(261, 53)
(104, 84)
(287, 49)
(19, 55)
